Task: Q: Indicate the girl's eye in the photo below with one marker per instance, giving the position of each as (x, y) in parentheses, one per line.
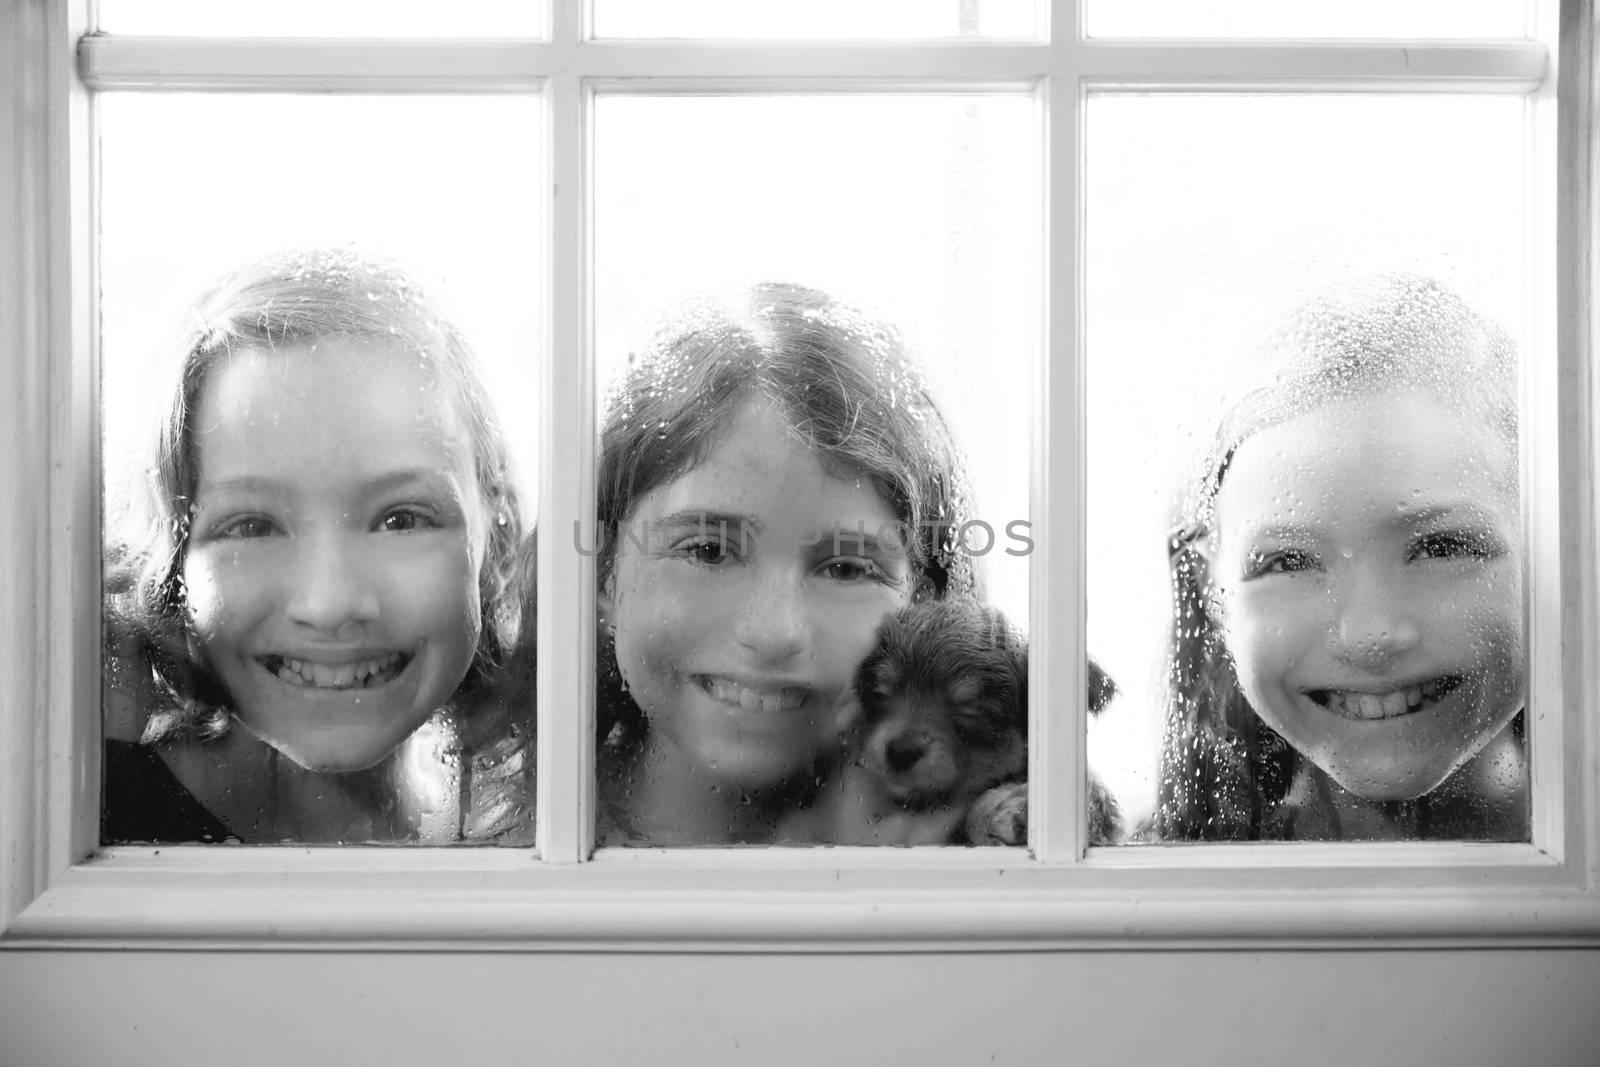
(245, 527)
(852, 569)
(1278, 561)
(404, 520)
(708, 551)
(1455, 544)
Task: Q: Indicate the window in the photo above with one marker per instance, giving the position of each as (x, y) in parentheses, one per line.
(1058, 893)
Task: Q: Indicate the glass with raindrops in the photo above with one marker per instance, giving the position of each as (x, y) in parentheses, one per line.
(815, 319)
(1306, 553)
(317, 451)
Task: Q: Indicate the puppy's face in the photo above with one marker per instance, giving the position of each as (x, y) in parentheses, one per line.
(944, 703)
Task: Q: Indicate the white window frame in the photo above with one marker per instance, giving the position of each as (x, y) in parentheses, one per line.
(58, 889)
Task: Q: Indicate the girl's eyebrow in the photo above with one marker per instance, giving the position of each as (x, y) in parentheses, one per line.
(1281, 531)
(243, 483)
(844, 538)
(847, 538)
(701, 517)
(1464, 509)
(387, 482)
(408, 477)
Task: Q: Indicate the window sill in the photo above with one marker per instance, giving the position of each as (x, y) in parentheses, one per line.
(760, 901)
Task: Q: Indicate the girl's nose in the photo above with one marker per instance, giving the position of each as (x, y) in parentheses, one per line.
(772, 620)
(328, 588)
(1374, 625)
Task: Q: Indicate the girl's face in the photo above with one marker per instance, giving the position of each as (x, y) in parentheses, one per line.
(332, 567)
(740, 620)
(1368, 575)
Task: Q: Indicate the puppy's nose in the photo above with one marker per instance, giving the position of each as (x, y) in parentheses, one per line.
(903, 752)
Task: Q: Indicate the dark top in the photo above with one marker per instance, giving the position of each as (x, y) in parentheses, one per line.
(143, 801)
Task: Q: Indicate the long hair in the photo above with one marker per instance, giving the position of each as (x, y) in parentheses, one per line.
(1222, 768)
(292, 299)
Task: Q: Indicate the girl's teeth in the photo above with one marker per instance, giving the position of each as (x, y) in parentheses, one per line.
(334, 675)
(1381, 705)
(786, 699)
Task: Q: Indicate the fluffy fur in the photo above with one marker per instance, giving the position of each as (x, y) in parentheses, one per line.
(944, 722)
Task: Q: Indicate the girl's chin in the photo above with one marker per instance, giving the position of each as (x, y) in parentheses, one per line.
(342, 749)
(752, 773)
(343, 762)
(753, 765)
(1391, 783)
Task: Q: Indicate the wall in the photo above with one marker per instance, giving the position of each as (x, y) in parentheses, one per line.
(1461, 1008)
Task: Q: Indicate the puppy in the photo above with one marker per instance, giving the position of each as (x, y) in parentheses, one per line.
(944, 703)
(943, 728)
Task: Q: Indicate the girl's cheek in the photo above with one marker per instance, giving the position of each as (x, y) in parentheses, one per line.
(447, 589)
(215, 590)
(655, 624)
(426, 583)
(848, 639)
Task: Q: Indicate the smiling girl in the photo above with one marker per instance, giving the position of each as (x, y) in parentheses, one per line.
(324, 563)
(1348, 629)
(774, 479)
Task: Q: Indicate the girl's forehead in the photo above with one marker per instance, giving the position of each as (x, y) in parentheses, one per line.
(759, 466)
(354, 405)
(350, 373)
(1398, 453)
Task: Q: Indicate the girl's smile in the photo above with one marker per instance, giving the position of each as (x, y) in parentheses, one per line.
(335, 698)
(754, 695)
(366, 673)
(1387, 703)
(1367, 576)
(337, 536)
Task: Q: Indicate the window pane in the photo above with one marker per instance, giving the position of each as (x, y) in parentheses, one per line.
(322, 18)
(776, 20)
(1305, 535)
(306, 606)
(1272, 18)
(893, 243)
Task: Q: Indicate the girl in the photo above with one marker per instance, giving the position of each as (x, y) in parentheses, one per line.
(1347, 635)
(774, 479)
(324, 559)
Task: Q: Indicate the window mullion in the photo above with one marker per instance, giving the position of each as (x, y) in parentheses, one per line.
(75, 425)
(1057, 766)
(566, 507)
(329, 65)
(1316, 66)
(312, 65)
(1574, 748)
